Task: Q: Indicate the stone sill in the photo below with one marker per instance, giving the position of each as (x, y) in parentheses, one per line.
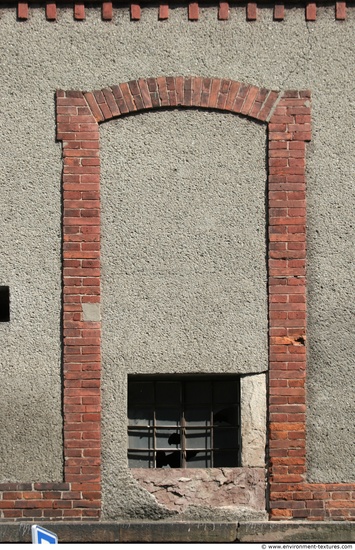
(147, 531)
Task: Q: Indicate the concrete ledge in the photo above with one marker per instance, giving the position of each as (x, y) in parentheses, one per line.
(185, 531)
(139, 531)
(296, 531)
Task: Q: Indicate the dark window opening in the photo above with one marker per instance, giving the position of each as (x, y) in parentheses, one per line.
(4, 304)
(185, 422)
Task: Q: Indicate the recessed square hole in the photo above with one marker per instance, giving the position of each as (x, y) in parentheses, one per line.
(4, 304)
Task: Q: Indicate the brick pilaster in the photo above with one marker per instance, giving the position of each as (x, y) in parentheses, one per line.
(289, 130)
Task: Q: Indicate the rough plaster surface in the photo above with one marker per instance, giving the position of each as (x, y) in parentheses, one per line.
(183, 244)
(183, 253)
(36, 58)
(238, 492)
(253, 415)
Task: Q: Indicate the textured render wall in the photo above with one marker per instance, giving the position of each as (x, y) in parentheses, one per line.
(30, 209)
(183, 244)
(291, 54)
(183, 275)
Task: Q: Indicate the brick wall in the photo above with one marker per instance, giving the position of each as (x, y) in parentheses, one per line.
(288, 119)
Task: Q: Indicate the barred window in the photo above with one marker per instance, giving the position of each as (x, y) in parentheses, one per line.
(185, 422)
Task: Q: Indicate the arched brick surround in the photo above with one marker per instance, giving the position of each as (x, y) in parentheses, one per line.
(288, 119)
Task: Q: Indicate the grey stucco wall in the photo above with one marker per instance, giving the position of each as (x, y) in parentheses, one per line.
(184, 268)
(183, 244)
(36, 58)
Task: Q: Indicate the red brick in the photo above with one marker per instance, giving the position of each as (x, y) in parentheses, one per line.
(163, 91)
(106, 11)
(239, 100)
(196, 91)
(128, 100)
(311, 11)
(206, 89)
(193, 11)
(144, 91)
(79, 11)
(22, 10)
(267, 106)
(279, 11)
(249, 100)
(223, 11)
(110, 100)
(251, 11)
(179, 89)
(163, 11)
(281, 514)
(135, 12)
(340, 10)
(215, 87)
(118, 95)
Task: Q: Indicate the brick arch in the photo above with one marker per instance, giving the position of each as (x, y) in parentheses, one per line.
(210, 93)
(287, 116)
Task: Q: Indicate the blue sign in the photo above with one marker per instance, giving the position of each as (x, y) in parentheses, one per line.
(42, 536)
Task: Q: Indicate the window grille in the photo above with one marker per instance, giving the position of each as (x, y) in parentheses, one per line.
(183, 422)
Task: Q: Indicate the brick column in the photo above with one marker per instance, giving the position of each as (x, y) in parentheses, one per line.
(78, 130)
(289, 129)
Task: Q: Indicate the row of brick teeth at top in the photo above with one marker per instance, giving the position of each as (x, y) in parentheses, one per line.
(193, 11)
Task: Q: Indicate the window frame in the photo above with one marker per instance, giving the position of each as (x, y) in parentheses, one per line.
(153, 449)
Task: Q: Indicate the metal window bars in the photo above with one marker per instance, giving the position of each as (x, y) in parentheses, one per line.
(205, 431)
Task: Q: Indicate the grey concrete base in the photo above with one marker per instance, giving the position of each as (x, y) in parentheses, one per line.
(140, 531)
(296, 531)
